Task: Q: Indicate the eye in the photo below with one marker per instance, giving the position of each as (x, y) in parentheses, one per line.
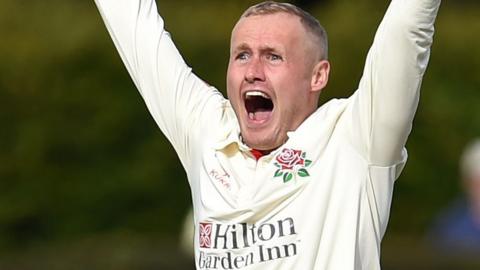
(274, 57)
(242, 56)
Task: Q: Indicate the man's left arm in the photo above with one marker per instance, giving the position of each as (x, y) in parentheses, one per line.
(385, 104)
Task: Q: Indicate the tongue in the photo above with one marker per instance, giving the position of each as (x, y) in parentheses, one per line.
(259, 116)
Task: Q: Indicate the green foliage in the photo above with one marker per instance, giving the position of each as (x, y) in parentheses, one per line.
(80, 155)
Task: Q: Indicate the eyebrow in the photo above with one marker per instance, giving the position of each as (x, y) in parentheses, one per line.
(244, 46)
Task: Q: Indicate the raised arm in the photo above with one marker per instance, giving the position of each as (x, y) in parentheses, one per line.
(172, 93)
(387, 98)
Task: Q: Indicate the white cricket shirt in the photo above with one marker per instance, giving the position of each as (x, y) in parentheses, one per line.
(321, 200)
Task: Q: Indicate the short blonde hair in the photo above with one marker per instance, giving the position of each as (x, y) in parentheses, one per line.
(310, 23)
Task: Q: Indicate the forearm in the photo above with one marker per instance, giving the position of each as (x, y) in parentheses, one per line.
(126, 27)
(389, 89)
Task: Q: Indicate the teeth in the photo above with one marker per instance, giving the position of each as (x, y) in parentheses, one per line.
(256, 93)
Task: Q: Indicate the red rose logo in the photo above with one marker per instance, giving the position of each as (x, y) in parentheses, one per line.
(291, 163)
(289, 158)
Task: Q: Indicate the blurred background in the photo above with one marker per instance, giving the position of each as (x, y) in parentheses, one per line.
(87, 181)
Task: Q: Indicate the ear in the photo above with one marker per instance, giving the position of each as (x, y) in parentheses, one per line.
(320, 74)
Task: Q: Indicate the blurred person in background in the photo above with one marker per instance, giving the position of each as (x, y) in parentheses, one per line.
(457, 229)
(278, 183)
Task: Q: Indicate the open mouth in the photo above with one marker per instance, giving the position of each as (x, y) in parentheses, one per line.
(259, 106)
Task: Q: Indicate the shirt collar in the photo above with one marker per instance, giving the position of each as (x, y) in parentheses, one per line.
(234, 137)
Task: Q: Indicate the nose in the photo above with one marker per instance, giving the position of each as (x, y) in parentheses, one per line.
(255, 71)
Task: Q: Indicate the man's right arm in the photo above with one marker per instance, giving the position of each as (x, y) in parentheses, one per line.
(172, 93)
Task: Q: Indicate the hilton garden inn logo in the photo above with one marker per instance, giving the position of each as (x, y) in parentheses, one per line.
(236, 246)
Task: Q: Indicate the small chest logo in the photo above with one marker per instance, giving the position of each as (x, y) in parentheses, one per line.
(291, 163)
(222, 178)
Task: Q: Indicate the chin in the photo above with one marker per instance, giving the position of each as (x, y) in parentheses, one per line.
(259, 142)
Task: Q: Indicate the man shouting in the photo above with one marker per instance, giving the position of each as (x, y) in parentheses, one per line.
(278, 182)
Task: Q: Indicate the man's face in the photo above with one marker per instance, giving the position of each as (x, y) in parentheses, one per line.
(269, 78)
